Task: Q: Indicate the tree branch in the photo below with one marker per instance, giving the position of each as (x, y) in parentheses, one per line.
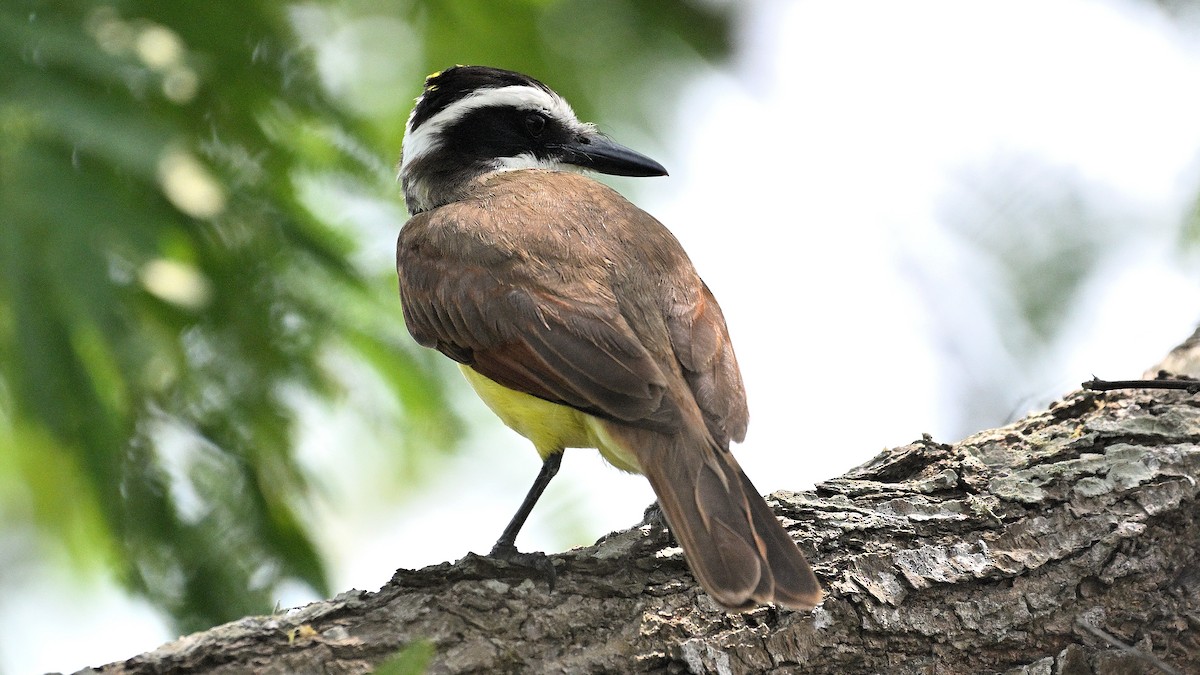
(1065, 542)
(1190, 386)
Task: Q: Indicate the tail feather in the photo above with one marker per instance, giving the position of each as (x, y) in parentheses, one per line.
(736, 548)
(793, 583)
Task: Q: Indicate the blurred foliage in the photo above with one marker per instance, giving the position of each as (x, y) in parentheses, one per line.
(1035, 236)
(1041, 231)
(181, 256)
(1189, 234)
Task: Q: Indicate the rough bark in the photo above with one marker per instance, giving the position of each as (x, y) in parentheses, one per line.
(1066, 542)
(1183, 360)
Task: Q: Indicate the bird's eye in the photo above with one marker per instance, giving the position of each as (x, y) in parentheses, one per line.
(534, 123)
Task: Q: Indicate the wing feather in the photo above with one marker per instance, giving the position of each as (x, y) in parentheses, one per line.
(702, 345)
(548, 337)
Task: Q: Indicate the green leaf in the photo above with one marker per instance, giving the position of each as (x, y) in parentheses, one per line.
(412, 660)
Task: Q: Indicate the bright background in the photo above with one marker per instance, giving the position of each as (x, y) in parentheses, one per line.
(855, 188)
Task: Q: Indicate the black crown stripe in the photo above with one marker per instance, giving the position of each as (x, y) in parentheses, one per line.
(445, 87)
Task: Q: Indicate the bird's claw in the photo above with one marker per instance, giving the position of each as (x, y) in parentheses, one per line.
(535, 560)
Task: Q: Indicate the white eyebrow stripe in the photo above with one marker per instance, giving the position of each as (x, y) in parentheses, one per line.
(426, 136)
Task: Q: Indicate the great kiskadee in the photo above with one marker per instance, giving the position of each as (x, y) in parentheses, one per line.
(580, 321)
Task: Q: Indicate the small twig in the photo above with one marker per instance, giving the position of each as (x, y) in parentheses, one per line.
(1114, 642)
(1095, 384)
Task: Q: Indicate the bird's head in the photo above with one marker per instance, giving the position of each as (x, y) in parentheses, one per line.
(473, 120)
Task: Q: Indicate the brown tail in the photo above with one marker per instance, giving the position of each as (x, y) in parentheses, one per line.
(736, 548)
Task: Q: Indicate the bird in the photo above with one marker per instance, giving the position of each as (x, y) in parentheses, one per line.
(580, 321)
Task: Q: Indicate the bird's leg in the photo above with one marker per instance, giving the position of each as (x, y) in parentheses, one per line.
(505, 547)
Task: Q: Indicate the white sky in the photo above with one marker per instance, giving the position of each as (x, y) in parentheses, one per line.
(806, 185)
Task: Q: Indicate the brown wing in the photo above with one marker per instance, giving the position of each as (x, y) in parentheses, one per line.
(480, 285)
(701, 342)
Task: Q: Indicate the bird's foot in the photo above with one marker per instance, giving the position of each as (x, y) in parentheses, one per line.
(536, 560)
(653, 516)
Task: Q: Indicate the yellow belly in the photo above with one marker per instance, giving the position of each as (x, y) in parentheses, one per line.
(550, 426)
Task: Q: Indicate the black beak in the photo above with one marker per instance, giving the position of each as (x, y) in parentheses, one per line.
(595, 152)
